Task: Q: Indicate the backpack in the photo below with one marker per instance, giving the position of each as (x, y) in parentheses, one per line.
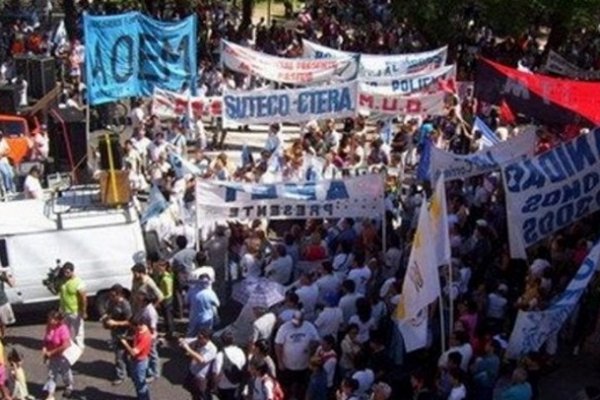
(232, 372)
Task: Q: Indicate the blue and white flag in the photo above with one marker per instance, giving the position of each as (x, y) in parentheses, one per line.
(488, 137)
(425, 161)
(533, 328)
(182, 166)
(247, 158)
(157, 204)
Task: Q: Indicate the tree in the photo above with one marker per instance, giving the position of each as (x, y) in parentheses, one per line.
(443, 21)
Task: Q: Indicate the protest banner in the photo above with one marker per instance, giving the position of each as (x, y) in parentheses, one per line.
(533, 328)
(381, 66)
(551, 191)
(351, 197)
(456, 166)
(549, 100)
(381, 100)
(295, 71)
(556, 64)
(290, 105)
(129, 54)
(417, 82)
(167, 104)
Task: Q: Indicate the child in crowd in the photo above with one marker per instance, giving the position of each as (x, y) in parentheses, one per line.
(17, 377)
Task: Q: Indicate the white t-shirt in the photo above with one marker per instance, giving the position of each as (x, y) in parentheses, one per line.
(458, 393)
(348, 305)
(296, 341)
(329, 321)
(280, 270)
(249, 266)
(308, 296)
(328, 284)
(236, 356)
(364, 328)
(33, 188)
(341, 263)
(496, 307)
(538, 267)
(365, 380)
(262, 328)
(208, 353)
(361, 277)
(263, 389)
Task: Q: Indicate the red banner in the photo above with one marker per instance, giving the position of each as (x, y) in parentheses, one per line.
(550, 100)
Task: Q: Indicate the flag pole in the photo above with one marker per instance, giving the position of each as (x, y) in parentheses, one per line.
(442, 322)
(450, 300)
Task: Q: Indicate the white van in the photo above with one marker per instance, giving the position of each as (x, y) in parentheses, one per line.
(102, 242)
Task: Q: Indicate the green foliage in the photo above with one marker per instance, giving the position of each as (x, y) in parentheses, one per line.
(442, 21)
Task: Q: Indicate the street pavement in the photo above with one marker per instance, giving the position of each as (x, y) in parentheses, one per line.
(94, 371)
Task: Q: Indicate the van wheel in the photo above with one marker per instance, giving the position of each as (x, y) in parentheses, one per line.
(101, 304)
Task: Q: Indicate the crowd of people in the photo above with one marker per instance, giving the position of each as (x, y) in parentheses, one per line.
(316, 298)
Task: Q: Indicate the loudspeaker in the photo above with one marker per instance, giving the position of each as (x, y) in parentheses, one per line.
(9, 99)
(42, 76)
(114, 146)
(68, 144)
(23, 66)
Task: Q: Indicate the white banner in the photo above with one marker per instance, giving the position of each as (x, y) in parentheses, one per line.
(456, 166)
(418, 82)
(167, 104)
(296, 71)
(290, 105)
(556, 64)
(533, 328)
(381, 66)
(552, 191)
(356, 197)
(381, 100)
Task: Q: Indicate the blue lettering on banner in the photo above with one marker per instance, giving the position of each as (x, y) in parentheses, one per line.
(307, 192)
(554, 166)
(129, 54)
(337, 191)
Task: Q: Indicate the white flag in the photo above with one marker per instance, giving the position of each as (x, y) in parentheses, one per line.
(430, 249)
(414, 331)
(438, 211)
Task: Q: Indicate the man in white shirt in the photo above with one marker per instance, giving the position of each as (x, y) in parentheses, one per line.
(141, 143)
(137, 116)
(294, 343)
(280, 268)
(330, 319)
(228, 368)
(328, 283)
(263, 325)
(360, 274)
(308, 293)
(274, 139)
(459, 342)
(348, 301)
(32, 186)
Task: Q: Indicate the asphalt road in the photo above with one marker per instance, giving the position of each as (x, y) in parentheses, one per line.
(94, 371)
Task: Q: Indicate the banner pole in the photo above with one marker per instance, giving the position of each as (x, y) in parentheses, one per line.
(442, 323)
(87, 135)
(450, 300)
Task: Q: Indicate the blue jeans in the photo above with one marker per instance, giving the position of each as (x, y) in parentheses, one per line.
(139, 369)
(154, 361)
(8, 176)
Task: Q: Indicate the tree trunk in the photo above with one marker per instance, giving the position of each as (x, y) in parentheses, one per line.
(247, 8)
(71, 19)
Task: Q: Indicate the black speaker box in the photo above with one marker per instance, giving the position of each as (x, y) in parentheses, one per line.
(9, 99)
(42, 76)
(68, 142)
(115, 148)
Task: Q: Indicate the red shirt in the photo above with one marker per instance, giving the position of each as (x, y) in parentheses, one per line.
(142, 341)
